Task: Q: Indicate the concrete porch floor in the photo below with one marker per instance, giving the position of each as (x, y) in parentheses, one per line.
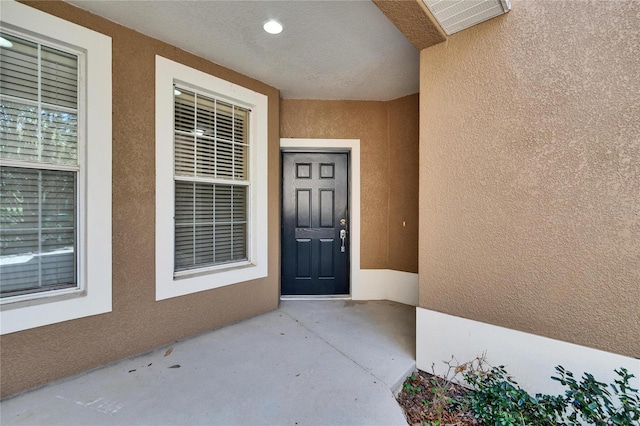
(330, 362)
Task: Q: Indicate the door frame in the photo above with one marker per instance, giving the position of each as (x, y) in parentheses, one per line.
(351, 146)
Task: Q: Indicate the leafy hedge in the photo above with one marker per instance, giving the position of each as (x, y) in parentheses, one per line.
(496, 399)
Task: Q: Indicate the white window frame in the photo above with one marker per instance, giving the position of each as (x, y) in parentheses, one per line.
(94, 293)
(169, 284)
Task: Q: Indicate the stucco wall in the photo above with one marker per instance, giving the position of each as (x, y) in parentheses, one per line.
(402, 228)
(530, 173)
(138, 323)
(384, 129)
(414, 20)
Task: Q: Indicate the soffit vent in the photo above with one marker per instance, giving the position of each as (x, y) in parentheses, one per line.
(457, 15)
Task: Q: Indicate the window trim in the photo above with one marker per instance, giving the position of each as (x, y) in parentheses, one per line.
(168, 284)
(94, 189)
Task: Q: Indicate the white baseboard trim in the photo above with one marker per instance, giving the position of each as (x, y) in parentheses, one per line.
(387, 284)
(529, 358)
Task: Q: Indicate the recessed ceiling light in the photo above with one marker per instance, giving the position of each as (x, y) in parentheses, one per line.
(5, 43)
(273, 27)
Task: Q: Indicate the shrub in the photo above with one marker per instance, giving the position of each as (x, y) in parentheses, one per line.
(591, 401)
(496, 399)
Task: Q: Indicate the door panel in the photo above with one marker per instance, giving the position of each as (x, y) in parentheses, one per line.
(303, 258)
(327, 248)
(315, 190)
(303, 210)
(327, 219)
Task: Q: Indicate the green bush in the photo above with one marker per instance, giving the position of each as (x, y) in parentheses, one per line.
(496, 399)
(591, 401)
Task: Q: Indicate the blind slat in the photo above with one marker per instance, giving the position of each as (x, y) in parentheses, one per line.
(219, 149)
(210, 224)
(22, 57)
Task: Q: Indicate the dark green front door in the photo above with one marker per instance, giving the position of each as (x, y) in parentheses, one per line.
(315, 237)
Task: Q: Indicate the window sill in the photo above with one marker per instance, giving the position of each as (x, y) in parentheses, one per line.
(190, 273)
(31, 299)
(180, 286)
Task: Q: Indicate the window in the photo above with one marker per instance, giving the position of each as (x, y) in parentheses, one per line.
(55, 149)
(39, 145)
(211, 144)
(211, 181)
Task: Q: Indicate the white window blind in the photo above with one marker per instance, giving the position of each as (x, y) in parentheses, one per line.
(211, 141)
(39, 173)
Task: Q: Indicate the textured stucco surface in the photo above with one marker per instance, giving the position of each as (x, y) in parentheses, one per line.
(530, 173)
(414, 20)
(138, 323)
(403, 122)
(369, 122)
(328, 49)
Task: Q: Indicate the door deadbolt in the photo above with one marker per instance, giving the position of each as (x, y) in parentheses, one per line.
(343, 222)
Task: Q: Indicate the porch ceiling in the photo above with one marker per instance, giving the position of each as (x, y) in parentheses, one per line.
(328, 50)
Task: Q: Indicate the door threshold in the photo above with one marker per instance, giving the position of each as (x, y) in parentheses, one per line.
(314, 297)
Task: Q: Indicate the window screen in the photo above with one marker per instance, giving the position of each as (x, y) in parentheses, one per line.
(39, 172)
(211, 142)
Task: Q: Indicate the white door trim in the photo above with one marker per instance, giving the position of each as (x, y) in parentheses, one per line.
(353, 147)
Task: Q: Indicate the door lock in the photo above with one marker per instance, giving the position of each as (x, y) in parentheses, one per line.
(343, 236)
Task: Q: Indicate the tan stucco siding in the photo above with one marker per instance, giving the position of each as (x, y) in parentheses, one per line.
(138, 323)
(384, 129)
(403, 183)
(414, 20)
(362, 120)
(530, 173)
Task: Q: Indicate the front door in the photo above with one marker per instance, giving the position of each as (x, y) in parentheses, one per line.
(315, 238)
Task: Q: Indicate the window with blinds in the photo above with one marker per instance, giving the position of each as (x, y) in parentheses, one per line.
(211, 148)
(39, 167)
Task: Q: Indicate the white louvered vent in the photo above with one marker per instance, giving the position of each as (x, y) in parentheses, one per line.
(457, 15)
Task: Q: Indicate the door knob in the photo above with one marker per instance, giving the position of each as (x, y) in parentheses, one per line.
(343, 236)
